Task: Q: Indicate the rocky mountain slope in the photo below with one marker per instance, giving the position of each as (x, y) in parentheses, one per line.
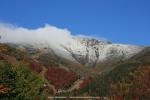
(89, 52)
(85, 51)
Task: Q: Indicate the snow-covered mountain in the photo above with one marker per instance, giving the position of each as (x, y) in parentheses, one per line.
(89, 51)
(83, 50)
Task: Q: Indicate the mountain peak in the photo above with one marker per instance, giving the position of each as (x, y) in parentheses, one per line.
(91, 40)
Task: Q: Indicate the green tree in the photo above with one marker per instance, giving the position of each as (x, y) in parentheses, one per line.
(22, 82)
(7, 79)
(29, 86)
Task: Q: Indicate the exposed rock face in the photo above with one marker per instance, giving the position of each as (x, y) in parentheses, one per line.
(86, 51)
(89, 52)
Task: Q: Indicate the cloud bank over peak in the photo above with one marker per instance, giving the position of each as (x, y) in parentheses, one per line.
(47, 33)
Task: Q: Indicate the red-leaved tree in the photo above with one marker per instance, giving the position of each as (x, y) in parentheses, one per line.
(60, 77)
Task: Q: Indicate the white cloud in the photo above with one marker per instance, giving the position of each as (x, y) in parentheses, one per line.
(49, 34)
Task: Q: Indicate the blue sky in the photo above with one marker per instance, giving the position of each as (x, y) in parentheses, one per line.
(120, 21)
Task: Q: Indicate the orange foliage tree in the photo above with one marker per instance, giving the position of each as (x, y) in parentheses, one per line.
(3, 89)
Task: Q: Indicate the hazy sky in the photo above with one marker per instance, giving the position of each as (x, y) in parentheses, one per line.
(120, 21)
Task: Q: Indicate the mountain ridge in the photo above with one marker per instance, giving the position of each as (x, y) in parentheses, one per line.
(86, 51)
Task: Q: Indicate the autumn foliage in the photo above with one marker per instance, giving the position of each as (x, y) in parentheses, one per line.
(60, 77)
(3, 48)
(34, 65)
(86, 81)
(3, 89)
(136, 85)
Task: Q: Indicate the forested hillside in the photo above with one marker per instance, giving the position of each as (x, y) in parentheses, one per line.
(129, 80)
(26, 77)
